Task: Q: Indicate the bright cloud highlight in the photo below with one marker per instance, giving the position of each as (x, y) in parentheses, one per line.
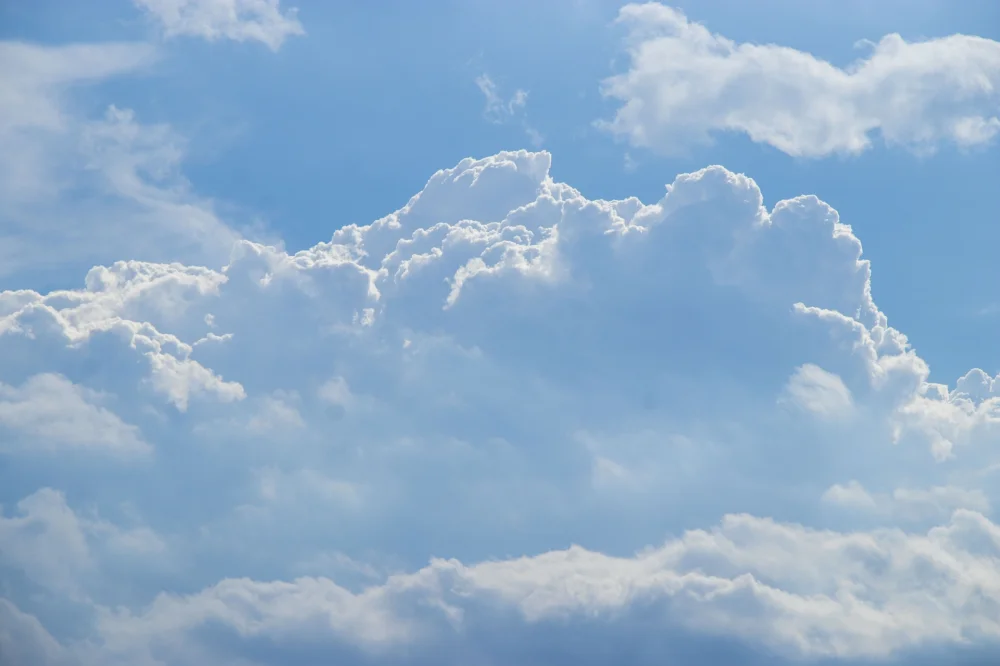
(685, 84)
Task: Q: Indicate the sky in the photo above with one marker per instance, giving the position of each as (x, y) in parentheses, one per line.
(479, 332)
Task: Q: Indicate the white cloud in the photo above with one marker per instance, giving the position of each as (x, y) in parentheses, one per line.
(277, 485)
(36, 76)
(48, 414)
(59, 549)
(240, 20)
(137, 350)
(497, 370)
(497, 109)
(117, 179)
(24, 640)
(500, 111)
(907, 505)
(852, 495)
(33, 114)
(276, 413)
(337, 393)
(817, 391)
(47, 541)
(685, 83)
(803, 593)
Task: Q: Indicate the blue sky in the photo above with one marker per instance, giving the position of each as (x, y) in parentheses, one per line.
(481, 332)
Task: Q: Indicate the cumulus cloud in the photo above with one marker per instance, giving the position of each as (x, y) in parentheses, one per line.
(801, 592)
(700, 393)
(239, 20)
(684, 84)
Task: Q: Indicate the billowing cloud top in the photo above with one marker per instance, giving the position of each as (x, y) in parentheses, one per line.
(503, 424)
(685, 83)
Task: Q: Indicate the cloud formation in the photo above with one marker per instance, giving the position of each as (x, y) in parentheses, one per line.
(239, 20)
(497, 110)
(108, 186)
(685, 84)
(35, 77)
(117, 180)
(49, 413)
(506, 423)
(500, 111)
(814, 389)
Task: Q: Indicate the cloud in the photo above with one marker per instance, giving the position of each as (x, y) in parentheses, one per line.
(35, 77)
(804, 593)
(276, 485)
(238, 20)
(685, 84)
(23, 639)
(500, 111)
(817, 391)
(426, 413)
(33, 112)
(46, 541)
(116, 178)
(48, 413)
(905, 505)
(497, 110)
(58, 549)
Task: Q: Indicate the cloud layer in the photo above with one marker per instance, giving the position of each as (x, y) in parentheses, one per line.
(685, 84)
(505, 423)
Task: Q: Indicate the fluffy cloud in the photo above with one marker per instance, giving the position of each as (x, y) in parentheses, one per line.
(426, 414)
(685, 83)
(802, 593)
(816, 390)
(48, 413)
(240, 20)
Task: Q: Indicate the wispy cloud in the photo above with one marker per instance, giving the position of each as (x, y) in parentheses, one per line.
(119, 180)
(239, 20)
(499, 110)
